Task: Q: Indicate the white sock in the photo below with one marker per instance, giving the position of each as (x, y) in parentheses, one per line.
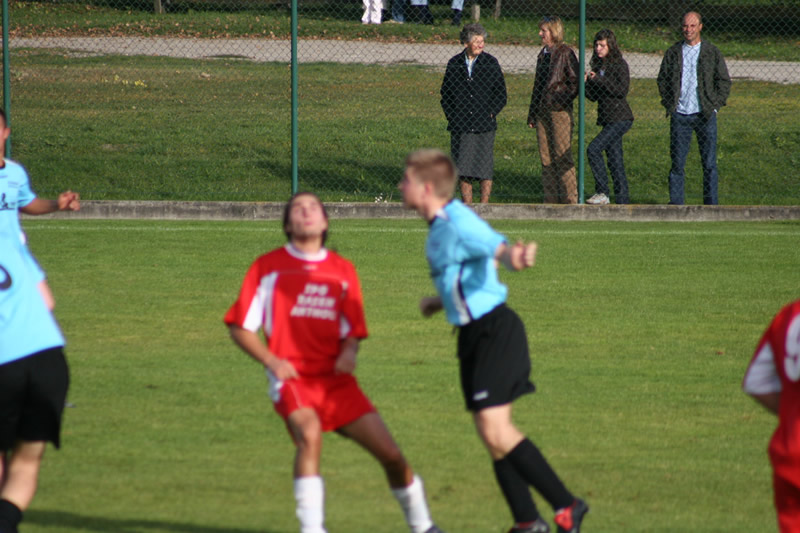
(412, 500)
(309, 492)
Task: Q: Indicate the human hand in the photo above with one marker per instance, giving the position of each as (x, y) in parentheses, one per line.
(430, 305)
(345, 363)
(523, 255)
(69, 201)
(283, 369)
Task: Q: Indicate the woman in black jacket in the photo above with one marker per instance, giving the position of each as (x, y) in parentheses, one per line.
(607, 83)
(473, 93)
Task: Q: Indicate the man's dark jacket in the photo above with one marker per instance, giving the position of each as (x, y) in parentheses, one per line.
(713, 81)
(471, 103)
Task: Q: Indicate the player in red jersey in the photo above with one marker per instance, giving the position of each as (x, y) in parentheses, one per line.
(773, 379)
(307, 300)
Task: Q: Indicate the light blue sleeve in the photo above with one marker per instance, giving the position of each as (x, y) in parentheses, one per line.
(26, 194)
(477, 240)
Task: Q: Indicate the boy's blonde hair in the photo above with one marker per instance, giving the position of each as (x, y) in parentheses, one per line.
(434, 166)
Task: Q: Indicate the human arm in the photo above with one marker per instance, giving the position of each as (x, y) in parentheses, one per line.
(47, 295)
(447, 92)
(722, 81)
(430, 305)
(67, 201)
(253, 346)
(517, 256)
(346, 362)
(664, 80)
(499, 91)
(562, 87)
(770, 401)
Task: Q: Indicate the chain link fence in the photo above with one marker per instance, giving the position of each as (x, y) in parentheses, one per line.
(190, 99)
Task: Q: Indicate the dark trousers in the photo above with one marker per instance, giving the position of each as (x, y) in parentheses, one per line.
(609, 140)
(681, 128)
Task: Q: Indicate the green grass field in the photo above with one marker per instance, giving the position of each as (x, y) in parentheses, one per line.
(170, 129)
(640, 334)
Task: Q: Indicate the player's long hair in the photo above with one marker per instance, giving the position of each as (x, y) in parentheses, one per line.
(288, 207)
(614, 53)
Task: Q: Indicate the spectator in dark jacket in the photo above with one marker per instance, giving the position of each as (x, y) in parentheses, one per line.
(694, 84)
(473, 93)
(607, 83)
(554, 89)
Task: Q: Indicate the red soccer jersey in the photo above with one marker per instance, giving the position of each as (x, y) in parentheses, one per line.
(781, 344)
(305, 304)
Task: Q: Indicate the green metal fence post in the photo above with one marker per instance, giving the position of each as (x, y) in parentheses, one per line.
(6, 76)
(294, 96)
(581, 101)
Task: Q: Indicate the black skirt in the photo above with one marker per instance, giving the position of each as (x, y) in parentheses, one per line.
(473, 154)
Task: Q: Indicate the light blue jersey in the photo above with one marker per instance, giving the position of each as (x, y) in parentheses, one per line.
(16, 192)
(26, 325)
(460, 251)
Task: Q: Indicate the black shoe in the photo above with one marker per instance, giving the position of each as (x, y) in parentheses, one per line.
(456, 17)
(569, 519)
(539, 526)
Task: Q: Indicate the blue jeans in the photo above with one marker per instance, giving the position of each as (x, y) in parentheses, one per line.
(609, 140)
(399, 10)
(680, 135)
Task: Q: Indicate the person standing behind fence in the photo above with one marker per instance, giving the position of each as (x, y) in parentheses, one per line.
(773, 380)
(373, 10)
(694, 84)
(607, 83)
(554, 88)
(473, 93)
(420, 12)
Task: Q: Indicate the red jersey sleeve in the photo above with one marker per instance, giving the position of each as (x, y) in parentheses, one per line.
(249, 308)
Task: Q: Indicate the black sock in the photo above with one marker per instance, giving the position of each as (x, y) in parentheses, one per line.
(10, 517)
(534, 468)
(516, 491)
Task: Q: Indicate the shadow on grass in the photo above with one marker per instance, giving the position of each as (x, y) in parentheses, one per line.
(347, 179)
(64, 519)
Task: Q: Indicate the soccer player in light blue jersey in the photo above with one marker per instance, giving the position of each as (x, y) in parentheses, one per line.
(463, 252)
(16, 195)
(33, 382)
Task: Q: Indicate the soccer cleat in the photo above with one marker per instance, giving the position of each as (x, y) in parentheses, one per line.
(539, 526)
(434, 529)
(598, 199)
(569, 519)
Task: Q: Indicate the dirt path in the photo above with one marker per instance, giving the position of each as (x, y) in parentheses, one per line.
(514, 59)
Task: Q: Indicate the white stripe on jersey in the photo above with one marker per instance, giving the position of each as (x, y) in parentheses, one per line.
(260, 311)
(460, 303)
(761, 377)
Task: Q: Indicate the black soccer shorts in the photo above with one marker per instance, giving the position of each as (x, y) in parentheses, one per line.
(495, 365)
(32, 394)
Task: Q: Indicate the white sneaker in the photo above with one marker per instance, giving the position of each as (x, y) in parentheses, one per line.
(598, 199)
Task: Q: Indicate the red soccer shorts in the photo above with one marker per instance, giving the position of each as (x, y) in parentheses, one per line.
(337, 399)
(787, 502)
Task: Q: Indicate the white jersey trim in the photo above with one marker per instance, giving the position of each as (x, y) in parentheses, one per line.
(761, 376)
(321, 255)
